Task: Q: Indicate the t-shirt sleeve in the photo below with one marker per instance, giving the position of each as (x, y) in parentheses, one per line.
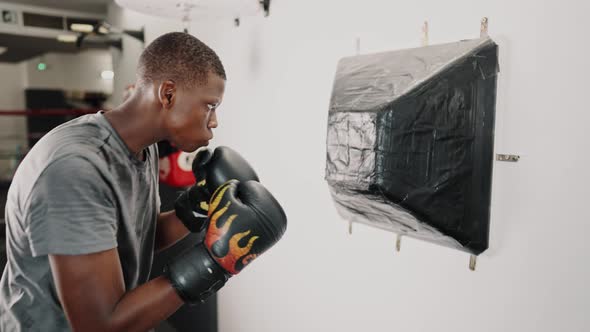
(72, 210)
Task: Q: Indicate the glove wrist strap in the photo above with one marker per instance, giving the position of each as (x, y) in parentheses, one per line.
(195, 275)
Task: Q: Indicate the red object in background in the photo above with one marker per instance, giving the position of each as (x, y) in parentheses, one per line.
(176, 169)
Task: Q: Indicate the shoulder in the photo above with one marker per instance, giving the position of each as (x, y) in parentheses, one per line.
(72, 177)
(73, 167)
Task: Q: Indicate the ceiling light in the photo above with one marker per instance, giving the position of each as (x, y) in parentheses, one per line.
(79, 27)
(104, 28)
(107, 74)
(67, 38)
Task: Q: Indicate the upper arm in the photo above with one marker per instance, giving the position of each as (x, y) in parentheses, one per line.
(72, 218)
(72, 210)
(89, 287)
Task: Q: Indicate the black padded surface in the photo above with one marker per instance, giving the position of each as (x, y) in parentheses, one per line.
(410, 141)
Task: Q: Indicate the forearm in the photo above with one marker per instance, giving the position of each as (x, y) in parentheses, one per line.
(169, 230)
(92, 293)
(144, 307)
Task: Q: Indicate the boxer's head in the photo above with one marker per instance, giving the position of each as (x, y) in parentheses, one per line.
(188, 81)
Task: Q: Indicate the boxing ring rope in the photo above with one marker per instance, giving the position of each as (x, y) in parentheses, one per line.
(47, 112)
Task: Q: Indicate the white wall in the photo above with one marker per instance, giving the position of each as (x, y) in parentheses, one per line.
(79, 71)
(12, 128)
(318, 278)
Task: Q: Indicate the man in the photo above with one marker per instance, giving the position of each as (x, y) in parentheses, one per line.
(83, 217)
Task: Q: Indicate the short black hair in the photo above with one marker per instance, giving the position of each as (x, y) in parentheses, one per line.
(180, 57)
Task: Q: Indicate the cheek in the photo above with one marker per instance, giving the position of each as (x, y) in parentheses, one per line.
(174, 123)
(181, 118)
(177, 125)
(185, 124)
(193, 127)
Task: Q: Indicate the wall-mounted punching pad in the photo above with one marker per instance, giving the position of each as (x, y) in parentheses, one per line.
(410, 141)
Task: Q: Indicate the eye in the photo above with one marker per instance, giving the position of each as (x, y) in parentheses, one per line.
(211, 107)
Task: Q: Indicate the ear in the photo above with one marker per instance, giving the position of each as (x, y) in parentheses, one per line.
(167, 93)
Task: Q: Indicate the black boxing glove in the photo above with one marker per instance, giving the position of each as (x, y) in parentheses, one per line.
(211, 170)
(245, 221)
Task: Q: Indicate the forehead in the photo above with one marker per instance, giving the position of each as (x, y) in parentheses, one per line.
(213, 86)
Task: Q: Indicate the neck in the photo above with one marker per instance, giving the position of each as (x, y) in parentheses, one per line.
(136, 123)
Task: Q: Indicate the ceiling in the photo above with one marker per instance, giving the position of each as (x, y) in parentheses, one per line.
(23, 47)
(90, 6)
(20, 47)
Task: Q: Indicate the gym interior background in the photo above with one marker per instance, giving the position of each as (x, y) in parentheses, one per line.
(280, 72)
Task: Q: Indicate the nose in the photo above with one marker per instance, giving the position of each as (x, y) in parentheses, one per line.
(212, 120)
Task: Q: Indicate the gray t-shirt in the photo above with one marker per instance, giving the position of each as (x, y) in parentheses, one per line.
(78, 191)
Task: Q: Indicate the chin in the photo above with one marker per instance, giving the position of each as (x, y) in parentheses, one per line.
(193, 147)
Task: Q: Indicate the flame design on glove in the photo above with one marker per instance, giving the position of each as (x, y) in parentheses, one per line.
(215, 233)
